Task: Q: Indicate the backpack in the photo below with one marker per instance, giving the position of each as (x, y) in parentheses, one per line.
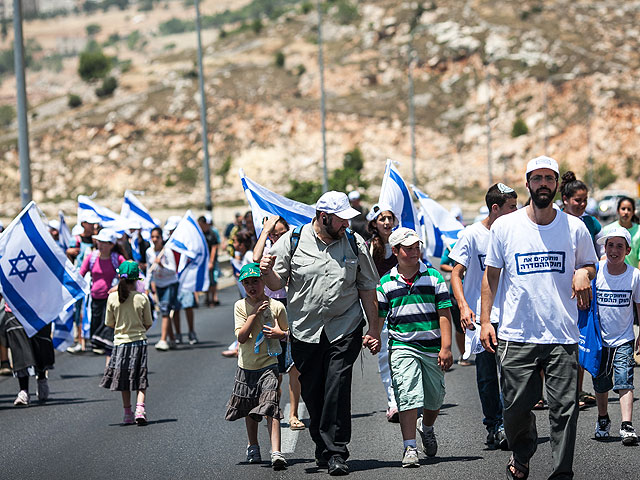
(295, 239)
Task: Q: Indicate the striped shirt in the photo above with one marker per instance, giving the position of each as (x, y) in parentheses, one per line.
(411, 311)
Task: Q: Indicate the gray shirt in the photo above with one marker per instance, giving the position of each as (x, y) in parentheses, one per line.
(323, 284)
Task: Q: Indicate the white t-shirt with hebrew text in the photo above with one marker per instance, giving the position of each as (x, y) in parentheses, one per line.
(616, 296)
(538, 263)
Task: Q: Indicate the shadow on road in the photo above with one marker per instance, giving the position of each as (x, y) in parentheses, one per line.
(52, 402)
(150, 422)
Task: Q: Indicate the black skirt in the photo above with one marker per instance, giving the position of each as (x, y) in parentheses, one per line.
(127, 369)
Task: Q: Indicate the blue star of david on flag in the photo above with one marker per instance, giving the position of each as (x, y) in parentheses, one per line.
(29, 267)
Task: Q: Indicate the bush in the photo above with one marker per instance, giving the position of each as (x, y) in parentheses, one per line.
(93, 29)
(347, 12)
(93, 65)
(256, 26)
(604, 176)
(306, 192)
(306, 7)
(353, 160)
(109, 84)
(175, 25)
(7, 114)
(300, 70)
(280, 59)
(74, 100)
(133, 38)
(519, 128)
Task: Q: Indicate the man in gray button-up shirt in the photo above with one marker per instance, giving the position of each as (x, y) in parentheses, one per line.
(331, 279)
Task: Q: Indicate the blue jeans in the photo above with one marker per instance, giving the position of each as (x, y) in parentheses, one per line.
(616, 372)
(489, 390)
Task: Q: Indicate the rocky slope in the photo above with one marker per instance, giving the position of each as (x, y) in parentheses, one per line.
(581, 56)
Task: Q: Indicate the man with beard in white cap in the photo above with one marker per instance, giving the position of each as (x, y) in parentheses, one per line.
(547, 261)
(329, 271)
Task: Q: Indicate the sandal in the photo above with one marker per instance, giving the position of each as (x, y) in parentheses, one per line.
(541, 405)
(296, 424)
(586, 399)
(519, 467)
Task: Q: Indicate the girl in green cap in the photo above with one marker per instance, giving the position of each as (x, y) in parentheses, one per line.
(129, 314)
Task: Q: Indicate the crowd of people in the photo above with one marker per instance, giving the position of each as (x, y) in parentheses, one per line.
(523, 283)
(520, 280)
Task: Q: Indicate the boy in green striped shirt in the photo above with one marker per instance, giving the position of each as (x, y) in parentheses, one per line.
(414, 300)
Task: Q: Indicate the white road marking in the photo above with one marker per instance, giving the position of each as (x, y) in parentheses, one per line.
(289, 438)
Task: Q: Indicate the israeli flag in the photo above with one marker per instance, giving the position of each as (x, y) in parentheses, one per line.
(264, 203)
(63, 330)
(65, 237)
(188, 240)
(396, 194)
(90, 211)
(132, 208)
(441, 228)
(36, 278)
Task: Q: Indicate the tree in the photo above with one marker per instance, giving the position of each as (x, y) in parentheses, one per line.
(519, 128)
(93, 65)
(109, 84)
(74, 100)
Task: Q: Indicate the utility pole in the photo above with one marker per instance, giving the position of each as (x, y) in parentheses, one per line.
(21, 94)
(325, 174)
(412, 118)
(489, 129)
(208, 205)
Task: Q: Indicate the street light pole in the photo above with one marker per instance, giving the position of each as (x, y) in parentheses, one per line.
(208, 205)
(325, 175)
(489, 129)
(412, 118)
(21, 94)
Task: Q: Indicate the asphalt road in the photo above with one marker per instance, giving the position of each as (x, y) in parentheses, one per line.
(77, 434)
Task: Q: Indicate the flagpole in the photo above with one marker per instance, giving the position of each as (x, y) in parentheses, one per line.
(203, 117)
(325, 175)
(21, 94)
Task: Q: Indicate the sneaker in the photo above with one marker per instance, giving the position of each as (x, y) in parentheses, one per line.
(410, 458)
(278, 461)
(338, 466)
(141, 416)
(192, 338)
(178, 339)
(173, 345)
(5, 369)
(500, 439)
(128, 418)
(99, 351)
(253, 454)
(628, 434)
(429, 442)
(22, 399)
(76, 348)
(603, 425)
(491, 441)
(43, 390)
(162, 345)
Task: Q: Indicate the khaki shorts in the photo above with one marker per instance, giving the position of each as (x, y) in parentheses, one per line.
(418, 381)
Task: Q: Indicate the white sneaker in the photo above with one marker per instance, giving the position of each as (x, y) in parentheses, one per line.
(43, 390)
(410, 458)
(278, 461)
(628, 434)
(162, 345)
(77, 348)
(22, 399)
(192, 338)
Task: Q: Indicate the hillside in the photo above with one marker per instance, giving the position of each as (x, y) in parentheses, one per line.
(265, 118)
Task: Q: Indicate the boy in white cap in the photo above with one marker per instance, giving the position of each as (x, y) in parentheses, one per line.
(414, 300)
(544, 259)
(617, 294)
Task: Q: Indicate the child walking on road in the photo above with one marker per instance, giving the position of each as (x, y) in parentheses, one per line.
(129, 314)
(260, 324)
(617, 294)
(414, 300)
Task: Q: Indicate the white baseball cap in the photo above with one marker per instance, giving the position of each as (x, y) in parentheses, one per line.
(88, 216)
(336, 203)
(542, 162)
(615, 232)
(172, 222)
(354, 195)
(106, 235)
(54, 224)
(403, 236)
(377, 209)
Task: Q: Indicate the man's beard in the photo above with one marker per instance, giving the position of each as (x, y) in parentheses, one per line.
(336, 234)
(542, 197)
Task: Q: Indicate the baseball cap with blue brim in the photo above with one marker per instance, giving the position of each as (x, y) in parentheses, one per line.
(542, 162)
(403, 236)
(336, 203)
(615, 232)
(249, 270)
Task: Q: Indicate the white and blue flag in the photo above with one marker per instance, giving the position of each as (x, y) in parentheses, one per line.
(441, 227)
(188, 240)
(36, 278)
(264, 203)
(396, 194)
(65, 238)
(132, 208)
(63, 329)
(90, 211)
